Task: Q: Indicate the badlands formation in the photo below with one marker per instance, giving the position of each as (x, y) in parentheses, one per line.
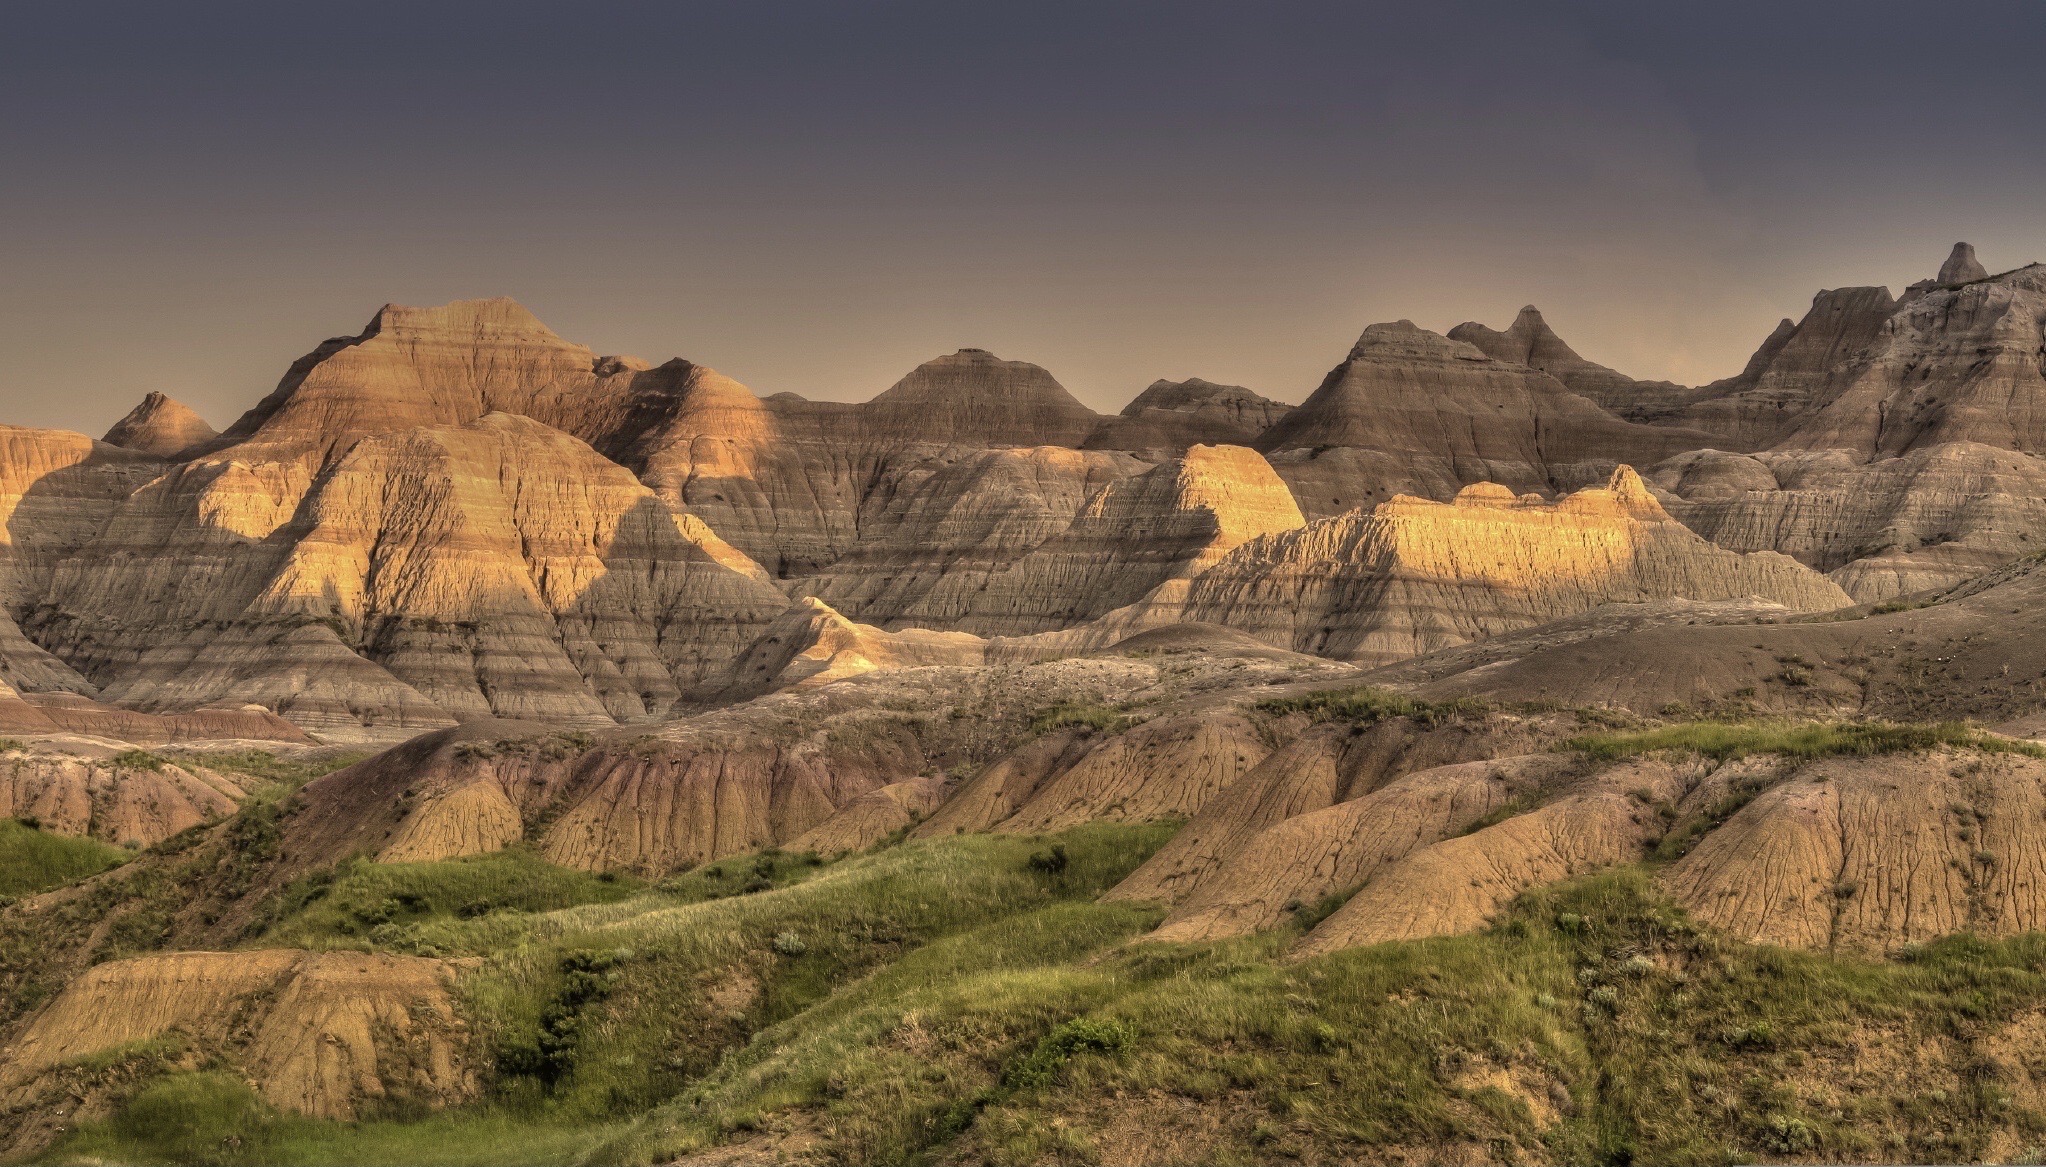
(470, 725)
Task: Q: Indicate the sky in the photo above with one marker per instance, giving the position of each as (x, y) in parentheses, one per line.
(814, 197)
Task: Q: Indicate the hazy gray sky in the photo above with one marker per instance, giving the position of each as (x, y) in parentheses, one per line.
(814, 197)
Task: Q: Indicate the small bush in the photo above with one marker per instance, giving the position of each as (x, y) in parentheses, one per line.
(790, 944)
(1080, 1035)
(1050, 862)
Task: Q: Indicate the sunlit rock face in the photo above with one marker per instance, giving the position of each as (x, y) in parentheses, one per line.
(161, 426)
(497, 567)
(1413, 576)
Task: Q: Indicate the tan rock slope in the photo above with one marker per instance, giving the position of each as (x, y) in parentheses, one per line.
(1412, 576)
(1902, 448)
(93, 787)
(320, 1034)
(1871, 855)
(493, 567)
(161, 426)
(1970, 655)
(1172, 522)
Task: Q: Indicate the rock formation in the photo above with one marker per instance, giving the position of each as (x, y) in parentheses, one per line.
(320, 1034)
(1412, 576)
(1530, 341)
(1169, 416)
(161, 426)
(1413, 412)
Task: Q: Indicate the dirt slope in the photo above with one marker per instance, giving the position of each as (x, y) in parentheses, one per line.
(323, 1034)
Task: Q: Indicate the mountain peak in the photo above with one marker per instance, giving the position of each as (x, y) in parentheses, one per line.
(496, 316)
(160, 425)
(1961, 266)
(974, 394)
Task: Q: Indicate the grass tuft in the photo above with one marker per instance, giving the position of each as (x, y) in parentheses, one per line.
(34, 860)
(1726, 740)
(1369, 703)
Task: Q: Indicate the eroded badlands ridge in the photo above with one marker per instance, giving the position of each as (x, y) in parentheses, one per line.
(456, 513)
(945, 730)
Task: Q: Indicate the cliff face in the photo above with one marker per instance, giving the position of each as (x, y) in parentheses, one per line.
(1412, 412)
(1413, 576)
(494, 567)
(1903, 437)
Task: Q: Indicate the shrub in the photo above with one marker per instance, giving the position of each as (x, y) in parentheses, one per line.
(790, 944)
(1080, 1035)
(138, 760)
(1050, 862)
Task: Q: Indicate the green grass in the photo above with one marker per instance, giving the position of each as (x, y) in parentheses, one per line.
(1595, 1023)
(396, 905)
(33, 860)
(1369, 703)
(597, 1013)
(1725, 740)
(289, 769)
(951, 1001)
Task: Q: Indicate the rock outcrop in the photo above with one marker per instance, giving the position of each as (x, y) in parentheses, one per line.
(1530, 341)
(1413, 412)
(493, 567)
(161, 426)
(1870, 855)
(1169, 523)
(324, 1034)
(1413, 576)
(1169, 416)
(94, 788)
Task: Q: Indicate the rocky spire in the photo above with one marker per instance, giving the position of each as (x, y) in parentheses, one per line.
(1961, 266)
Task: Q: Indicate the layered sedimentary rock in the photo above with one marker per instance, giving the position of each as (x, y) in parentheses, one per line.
(1169, 523)
(812, 645)
(88, 787)
(1871, 855)
(493, 567)
(1169, 416)
(323, 1034)
(1461, 883)
(947, 532)
(162, 426)
(1323, 766)
(1413, 412)
(1413, 576)
(1530, 341)
(1905, 435)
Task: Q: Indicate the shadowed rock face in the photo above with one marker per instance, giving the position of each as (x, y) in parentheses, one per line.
(1412, 412)
(1170, 416)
